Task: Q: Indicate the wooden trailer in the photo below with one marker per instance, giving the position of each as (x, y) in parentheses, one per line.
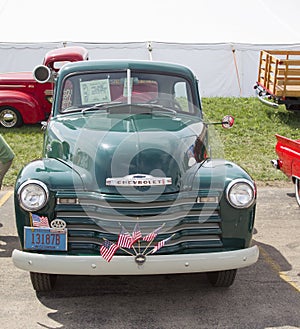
(278, 79)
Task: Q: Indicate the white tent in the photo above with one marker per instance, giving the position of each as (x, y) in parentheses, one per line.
(188, 21)
(219, 40)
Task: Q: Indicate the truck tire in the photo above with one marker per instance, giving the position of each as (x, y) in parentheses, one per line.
(292, 107)
(10, 117)
(222, 278)
(297, 190)
(43, 281)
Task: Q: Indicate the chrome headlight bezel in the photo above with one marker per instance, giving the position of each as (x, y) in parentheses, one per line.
(37, 189)
(241, 193)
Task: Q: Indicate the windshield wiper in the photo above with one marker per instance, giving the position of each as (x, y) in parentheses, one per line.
(102, 106)
(158, 108)
(150, 107)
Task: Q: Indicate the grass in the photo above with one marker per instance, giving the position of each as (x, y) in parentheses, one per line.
(250, 143)
(26, 143)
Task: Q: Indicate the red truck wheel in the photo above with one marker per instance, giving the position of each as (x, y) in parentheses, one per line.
(10, 117)
(297, 190)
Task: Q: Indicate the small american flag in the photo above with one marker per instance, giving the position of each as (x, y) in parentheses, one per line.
(151, 236)
(124, 239)
(39, 221)
(160, 244)
(136, 234)
(107, 250)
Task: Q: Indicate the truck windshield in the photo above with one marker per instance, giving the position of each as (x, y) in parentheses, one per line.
(128, 87)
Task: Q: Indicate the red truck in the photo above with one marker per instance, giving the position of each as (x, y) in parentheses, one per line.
(288, 151)
(23, 100)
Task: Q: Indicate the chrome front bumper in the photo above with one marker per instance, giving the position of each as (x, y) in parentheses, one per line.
(126, 265)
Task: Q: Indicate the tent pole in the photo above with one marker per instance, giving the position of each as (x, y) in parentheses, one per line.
(149, 47)
(236, 69)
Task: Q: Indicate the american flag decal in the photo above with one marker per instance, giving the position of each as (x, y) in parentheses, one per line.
(151, 236)
(126, 240)
(39, 221)
(160, 244)
(107, 250)
(136, 234)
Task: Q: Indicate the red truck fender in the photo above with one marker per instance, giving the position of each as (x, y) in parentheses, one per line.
(296, 169)
(288, 151)
(26, 108)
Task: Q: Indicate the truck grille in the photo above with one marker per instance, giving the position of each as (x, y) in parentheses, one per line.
(195, 226)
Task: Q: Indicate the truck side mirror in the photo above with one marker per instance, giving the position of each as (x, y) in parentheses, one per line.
(227, 121)
(42, 74)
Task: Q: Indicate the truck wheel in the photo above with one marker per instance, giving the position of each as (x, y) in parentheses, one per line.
(43, 281)
(222, 278)
(10, 117)
(292, 107)
(297, 190)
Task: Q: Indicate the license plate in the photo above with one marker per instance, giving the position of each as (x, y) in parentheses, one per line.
(38, 238)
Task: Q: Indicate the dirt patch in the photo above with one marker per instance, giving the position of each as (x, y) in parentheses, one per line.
(275, 184)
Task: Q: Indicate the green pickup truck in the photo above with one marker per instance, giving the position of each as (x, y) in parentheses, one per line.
(126, 184)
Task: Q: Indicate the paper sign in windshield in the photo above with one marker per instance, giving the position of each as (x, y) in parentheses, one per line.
(95, 91)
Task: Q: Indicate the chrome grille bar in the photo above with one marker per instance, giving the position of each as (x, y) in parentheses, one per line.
(195, 225)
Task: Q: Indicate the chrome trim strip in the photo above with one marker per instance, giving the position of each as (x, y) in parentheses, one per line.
(13, 86)
(116, 218)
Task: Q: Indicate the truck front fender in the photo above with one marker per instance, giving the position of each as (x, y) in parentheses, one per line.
(44, 169)
(55, 175)
(25, 104)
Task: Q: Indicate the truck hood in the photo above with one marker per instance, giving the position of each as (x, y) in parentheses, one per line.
(128, 154)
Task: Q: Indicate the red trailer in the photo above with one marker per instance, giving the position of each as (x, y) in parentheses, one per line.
(288, 151)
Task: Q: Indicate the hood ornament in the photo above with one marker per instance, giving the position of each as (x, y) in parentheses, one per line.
(138, 180)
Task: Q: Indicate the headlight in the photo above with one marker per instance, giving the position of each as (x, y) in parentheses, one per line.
(240, 193)
(33, 195)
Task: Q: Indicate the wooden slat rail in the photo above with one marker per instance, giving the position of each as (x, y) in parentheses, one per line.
(279, 72)
(292, 71)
